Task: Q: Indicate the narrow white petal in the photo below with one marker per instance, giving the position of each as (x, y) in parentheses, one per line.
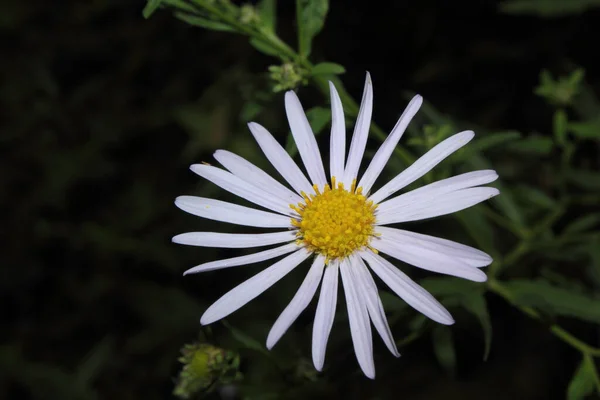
(436, 189)
(243, 260)
(234, 214)
(300, 301)
(413, 294)
(368, 288)
(461, 252)
(337, 151)
(250, 289)
(233, 240)
(280, 159)
(239, 187)
(427, 259)
(382, 156)
(360, 326)
(305, 139)
(325, 314)
(446, 204)
(423, 165)
(252, 174)
(361, 133)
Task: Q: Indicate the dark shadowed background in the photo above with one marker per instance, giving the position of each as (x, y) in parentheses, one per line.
(103, 111)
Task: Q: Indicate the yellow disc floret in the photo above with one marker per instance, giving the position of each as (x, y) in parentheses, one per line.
(335, 222)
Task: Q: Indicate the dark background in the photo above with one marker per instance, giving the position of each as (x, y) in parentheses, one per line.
(102, 111)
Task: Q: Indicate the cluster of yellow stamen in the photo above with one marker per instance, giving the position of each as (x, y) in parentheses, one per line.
(335, 222)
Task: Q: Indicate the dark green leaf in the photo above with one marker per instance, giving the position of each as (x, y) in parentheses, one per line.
(547, 8)
(245, 340)
(263, 47)
(479, 228)
(203, 22)
(318, 117)
(267, 9)
(505, 200)
(446, 286)
(150, 8)
(489, 141)
(535, 145)
(585, 130)
(583, 224)
(476, 305)
(536, 197)
(549, 298)
(310, 18)
(583, 179)
(582, 384)
(328, 68)
(443, 348)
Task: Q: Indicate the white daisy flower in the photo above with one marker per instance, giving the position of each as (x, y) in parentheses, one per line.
(339, 224)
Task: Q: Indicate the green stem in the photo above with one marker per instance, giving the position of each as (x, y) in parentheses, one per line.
(559, 332)
(590, 363)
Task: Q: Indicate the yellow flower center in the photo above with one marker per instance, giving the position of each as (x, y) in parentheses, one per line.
(335, 222)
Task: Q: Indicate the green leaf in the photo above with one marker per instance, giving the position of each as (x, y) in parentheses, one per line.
(585, 130)
(318, 118)
(489, 141)
(475, 303)
(533, 145)
(267, 9)
(479, 228)
(559, 126)
(549, 298)
(505, 200)
(583, 224)
(443, 347)
(246, 341)
(536, 197)
(203, 22)
(263, 47)
(470, 295)
(547, 8)
(328, 68)
(583, 382)
(583, 179)
(150, 8)
(310, 17)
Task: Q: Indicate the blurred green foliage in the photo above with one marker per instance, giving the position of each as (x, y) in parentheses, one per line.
(103, 111)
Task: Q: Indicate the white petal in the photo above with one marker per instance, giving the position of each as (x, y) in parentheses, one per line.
(243, 260)
(300, 301)
(239, 187)
(382, 156)
(280, 159)
(360, 135)
(413, 294)
(368, 289)
(423, 165)
(446, 204)
(436, 189)
(360, 326)
(252, 174)
(250, 289)
(325, 314)
(305, 139)
(337, 151)
(465, 254)
(233, 240)
(427, 259)
(234, 214)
